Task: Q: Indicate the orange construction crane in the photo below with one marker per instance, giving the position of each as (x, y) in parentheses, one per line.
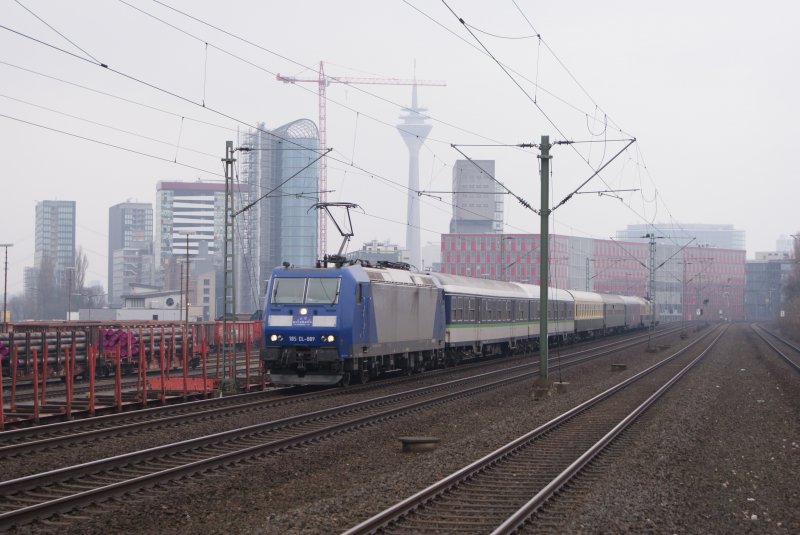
(323, 81)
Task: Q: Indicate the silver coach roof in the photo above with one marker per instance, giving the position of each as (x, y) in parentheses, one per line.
(458, 284)
(586, 297)
(532, 291)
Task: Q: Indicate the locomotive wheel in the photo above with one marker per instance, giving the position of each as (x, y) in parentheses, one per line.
(345, 380)
(363, 376)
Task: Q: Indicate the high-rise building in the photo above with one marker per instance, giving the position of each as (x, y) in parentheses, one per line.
(282, 227)
(55, 236)
(477, 199)
(130, 248)
(766, 279)
(785, 243)
(720, 236)
(193, 209)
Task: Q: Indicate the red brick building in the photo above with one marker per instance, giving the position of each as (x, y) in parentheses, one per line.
(690, 282)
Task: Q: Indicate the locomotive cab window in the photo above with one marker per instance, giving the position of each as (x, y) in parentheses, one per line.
(322, 290)
(288, 291)
(297, 291)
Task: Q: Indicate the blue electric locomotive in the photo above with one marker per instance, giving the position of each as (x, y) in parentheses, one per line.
(324, 326)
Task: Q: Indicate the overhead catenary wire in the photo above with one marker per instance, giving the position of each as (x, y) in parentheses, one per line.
(507, 71)
(104, 143)
(175, 95)
(400, 186)
(524, 91)
(152, 85)
(510, 37)
(538, 87)
(70, 41)
(305, 67)
(121, 130)
(515, 71)
(577, 82)
(117, 97)
(519, 199)
(202, 104)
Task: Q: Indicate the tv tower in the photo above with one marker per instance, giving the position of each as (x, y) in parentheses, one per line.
(414, 131)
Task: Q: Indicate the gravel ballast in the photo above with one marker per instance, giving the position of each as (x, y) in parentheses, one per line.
(719, 455)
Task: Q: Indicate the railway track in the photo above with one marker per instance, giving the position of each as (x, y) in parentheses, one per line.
(65, 489)
(787, 350)
(27, 441)
(502, 491)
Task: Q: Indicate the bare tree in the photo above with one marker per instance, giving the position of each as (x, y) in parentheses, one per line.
(50, 296)
(81, 265)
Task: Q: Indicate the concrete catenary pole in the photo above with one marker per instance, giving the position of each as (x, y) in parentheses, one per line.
(544, 248)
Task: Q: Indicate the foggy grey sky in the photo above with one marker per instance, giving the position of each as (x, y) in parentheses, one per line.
(707, 88)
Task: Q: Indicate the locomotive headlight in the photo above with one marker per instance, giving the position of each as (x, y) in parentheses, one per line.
(303, 311)
(275, 338)
(330, 338)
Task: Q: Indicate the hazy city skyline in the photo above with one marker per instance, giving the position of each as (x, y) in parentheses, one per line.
(706, 89)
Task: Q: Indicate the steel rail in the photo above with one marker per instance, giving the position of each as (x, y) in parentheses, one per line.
(252, 446)
(792, 364)
(523, 514)
(164, 453)
(441, 487)
(76, 431)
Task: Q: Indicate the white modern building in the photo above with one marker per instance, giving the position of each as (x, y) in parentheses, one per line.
(130, 248)
(477, 198)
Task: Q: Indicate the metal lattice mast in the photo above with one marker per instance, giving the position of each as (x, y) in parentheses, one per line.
(229, 289)
(323, 165)
(652, 288)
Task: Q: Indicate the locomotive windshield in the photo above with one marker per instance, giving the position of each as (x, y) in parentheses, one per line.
(324, 291)
(298, 291)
